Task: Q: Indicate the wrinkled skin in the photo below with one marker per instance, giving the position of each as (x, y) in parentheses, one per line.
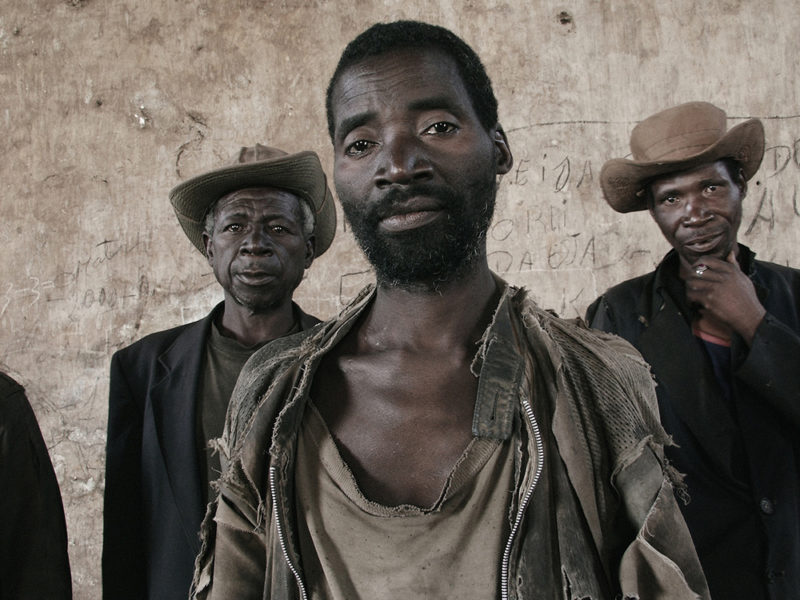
(417, 184)
(258, 252)
(699, 212)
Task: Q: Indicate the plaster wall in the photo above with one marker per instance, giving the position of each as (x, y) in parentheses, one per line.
(107, 104)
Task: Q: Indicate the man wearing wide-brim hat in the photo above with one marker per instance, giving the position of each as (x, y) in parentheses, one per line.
(721, 331)
(259, 221)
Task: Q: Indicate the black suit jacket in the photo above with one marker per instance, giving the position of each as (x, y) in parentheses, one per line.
(33, 534)
(153, 499)
(747, 536)
(153, 495)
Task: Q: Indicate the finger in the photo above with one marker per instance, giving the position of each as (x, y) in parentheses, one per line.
(700, 269)
(698, 291)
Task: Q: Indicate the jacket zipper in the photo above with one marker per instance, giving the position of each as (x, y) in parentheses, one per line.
(506, 584)
(281, 540)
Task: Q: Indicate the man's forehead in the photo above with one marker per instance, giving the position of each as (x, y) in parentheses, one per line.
(713, 167)
(266, 195)
(396, 71)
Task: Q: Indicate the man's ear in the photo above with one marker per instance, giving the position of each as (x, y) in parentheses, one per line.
(309, 257)
(648, 199)
(505, 160)
(742, 183)
(209, 245)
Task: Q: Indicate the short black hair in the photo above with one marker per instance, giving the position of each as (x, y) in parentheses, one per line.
(385, 37)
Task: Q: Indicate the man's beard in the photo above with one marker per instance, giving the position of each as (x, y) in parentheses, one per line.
(432, 255)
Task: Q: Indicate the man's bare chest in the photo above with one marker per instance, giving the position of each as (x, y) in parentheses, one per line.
(401, 421)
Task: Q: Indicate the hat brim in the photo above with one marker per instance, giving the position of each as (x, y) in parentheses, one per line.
(623, 180)
(299, 173)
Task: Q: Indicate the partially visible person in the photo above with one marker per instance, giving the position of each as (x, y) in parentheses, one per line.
(260, 221)
(443, 437)
(33, 533)
(721, 331)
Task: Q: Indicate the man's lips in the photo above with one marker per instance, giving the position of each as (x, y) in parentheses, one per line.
(255, 276)
(409, 220)
(410, 215)
(703, 244)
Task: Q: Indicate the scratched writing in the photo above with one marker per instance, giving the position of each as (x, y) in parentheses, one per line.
(766, 203)
(577, 250)
(556, 170)
(778, 158)
(92, 282)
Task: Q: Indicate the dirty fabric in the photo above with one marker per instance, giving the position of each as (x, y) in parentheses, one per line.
(586, 398)
(352, 547)
(223, 361)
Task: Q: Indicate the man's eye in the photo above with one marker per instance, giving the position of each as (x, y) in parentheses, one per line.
(669, 200)
(279, 229)
(358, 147)
(712, 188)
(441, 127)
(232, 227)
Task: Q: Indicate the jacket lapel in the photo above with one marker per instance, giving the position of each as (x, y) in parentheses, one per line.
(686, 384)
(174, 402)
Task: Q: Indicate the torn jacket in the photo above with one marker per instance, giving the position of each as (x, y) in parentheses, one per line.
(594, 398)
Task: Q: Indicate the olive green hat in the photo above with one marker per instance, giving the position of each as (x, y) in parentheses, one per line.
(258, 166)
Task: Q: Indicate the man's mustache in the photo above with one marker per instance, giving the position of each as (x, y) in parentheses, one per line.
(387, 204)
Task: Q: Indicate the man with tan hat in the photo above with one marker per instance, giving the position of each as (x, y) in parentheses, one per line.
(260, 221)
(721, 332)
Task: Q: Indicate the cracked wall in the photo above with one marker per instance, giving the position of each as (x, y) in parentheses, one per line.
(107, 105)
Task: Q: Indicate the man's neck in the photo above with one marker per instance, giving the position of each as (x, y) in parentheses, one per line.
(454, 315)
(250, 327)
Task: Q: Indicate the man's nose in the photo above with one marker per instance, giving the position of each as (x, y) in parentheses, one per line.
(403, 160)
(257, 241)
(696, 210)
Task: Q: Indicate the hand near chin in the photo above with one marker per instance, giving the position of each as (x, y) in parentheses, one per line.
(726, 295)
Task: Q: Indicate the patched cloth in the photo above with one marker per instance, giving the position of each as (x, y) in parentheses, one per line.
(583, 401)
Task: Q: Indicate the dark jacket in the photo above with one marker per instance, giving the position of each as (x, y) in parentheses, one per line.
(33, 535)
(153, 493)
(742, 461)
(586, 409)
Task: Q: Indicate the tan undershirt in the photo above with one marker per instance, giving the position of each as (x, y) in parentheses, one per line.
(224, 359)
(353, 548)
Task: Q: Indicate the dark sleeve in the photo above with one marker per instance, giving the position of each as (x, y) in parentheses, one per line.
(33, 546)
(124, 573)
(770, 367)
(600, 316)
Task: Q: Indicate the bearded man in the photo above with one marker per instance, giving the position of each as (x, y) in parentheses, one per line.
(443, 436)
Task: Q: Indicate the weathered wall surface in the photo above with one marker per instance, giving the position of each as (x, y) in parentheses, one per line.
(105, 105)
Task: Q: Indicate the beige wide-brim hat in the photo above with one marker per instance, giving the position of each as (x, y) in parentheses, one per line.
(258, 166)
(679, 139)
